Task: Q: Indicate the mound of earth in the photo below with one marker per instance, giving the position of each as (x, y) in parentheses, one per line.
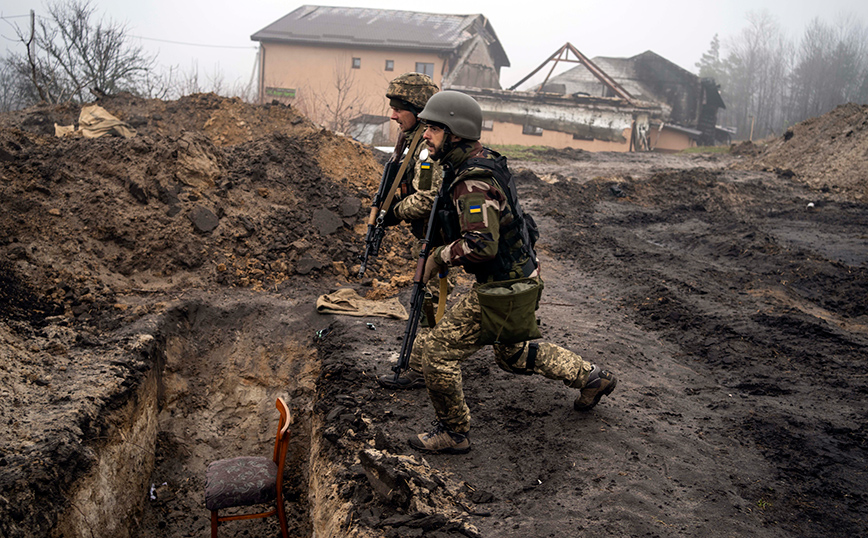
(158, 293)
(827, 152)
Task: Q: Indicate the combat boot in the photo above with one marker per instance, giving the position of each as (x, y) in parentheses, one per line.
(441, 440)
(409, 379)
(600, 383)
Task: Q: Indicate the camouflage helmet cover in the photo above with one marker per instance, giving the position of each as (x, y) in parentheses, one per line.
(457, 111)
(412, 88)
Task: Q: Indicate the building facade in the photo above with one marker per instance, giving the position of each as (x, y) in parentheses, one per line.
(334, 63)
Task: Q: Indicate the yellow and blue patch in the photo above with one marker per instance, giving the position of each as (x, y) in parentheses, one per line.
(476, 208)
(425, 166)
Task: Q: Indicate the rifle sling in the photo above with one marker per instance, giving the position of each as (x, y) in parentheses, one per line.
(441, 303)
(411, 149)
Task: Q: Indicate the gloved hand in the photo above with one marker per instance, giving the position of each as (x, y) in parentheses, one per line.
(432, 268)
(391, 219)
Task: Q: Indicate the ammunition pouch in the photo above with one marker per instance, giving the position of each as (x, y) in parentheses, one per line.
(508, 310)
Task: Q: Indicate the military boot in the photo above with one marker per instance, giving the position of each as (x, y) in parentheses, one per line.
(409, 379)
(600, 383)
(441, 440)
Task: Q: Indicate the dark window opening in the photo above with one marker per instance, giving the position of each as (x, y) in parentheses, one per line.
(531, 130)
(425, 69)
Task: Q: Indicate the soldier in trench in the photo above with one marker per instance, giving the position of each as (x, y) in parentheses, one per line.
(485, 232)
(408, 94)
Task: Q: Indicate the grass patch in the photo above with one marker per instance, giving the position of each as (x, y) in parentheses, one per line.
(763, 504)
(521, 153)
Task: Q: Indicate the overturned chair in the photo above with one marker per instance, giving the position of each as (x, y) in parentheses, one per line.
(247, 481)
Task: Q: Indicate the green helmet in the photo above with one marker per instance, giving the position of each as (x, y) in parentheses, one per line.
(457, 111)
(411, 91)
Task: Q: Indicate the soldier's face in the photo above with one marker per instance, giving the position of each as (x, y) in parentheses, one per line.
(435, 137)
(405, 119)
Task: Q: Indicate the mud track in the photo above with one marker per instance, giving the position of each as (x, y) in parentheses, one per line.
(735, 317)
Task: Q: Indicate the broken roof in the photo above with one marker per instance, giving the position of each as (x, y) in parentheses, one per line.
(580, 80)
(380, 28)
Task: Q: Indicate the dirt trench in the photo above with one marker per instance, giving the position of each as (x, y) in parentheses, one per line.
(137, 342)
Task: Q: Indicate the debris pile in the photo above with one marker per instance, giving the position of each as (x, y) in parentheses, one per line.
(827, 152)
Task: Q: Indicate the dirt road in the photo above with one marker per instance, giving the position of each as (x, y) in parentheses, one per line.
(735, 317)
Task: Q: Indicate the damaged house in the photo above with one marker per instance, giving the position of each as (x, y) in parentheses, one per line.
(334, 63)
(607, 104)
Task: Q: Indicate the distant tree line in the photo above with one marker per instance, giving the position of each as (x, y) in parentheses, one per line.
(770, 82)
(73, 55)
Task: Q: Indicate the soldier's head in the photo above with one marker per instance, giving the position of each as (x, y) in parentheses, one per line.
(408, 94)
(450, 117)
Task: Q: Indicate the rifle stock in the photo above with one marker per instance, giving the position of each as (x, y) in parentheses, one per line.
(376, 228)
(418, 297)
(393, 174)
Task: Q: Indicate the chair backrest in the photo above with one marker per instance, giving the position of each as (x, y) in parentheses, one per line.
(282, 441)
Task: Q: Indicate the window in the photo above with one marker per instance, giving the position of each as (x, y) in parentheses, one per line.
(531, 130)
(425, 69)
(487, 125)
(390, 65)
(357, 63)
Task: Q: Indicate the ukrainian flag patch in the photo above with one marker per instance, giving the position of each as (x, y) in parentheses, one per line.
(476, 208)
(425, 166)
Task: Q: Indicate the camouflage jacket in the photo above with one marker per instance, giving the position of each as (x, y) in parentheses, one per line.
(474, 213)
(425, 176)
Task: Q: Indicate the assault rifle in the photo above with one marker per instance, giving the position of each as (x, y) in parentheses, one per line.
(376, 227)
(392, 176)
(418, 297)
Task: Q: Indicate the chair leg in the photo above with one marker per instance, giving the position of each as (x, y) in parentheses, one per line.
(281, 514)
(213, 524)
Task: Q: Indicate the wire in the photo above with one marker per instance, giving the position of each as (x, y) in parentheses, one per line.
(194, 44)
(249, 47)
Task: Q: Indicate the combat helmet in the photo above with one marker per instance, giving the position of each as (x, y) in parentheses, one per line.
(457, 111)
(411, 91)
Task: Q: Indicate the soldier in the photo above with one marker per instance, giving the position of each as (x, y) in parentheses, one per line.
(407, 96)
(485, 232)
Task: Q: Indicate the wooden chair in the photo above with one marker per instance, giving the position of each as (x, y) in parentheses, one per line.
(246, 481)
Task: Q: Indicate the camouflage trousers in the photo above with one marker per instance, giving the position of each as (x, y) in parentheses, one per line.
(441, 349)
(432, 289)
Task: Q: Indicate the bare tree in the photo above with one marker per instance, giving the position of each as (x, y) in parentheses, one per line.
(336, 106)
(70, 54)
(831, 67)
(756, 76)
(10, 88)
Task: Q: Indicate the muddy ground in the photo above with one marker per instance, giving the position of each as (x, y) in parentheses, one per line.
(728, 292)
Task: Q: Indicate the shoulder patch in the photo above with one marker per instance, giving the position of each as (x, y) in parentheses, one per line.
(472, 208)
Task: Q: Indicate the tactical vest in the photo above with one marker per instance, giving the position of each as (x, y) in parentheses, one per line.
(515, 257)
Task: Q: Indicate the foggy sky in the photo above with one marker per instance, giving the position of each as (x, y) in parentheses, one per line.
(216, 33)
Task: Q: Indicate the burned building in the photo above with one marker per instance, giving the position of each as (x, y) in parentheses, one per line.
(671, 108)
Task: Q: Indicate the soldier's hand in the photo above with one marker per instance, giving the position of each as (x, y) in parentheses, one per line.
(431, 269)
(391, 218)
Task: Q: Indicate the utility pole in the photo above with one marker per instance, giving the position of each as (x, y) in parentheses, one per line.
(30, 56)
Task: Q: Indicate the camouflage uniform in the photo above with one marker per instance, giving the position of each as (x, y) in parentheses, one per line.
(482, 211)
(423, 176)
(426, 177)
